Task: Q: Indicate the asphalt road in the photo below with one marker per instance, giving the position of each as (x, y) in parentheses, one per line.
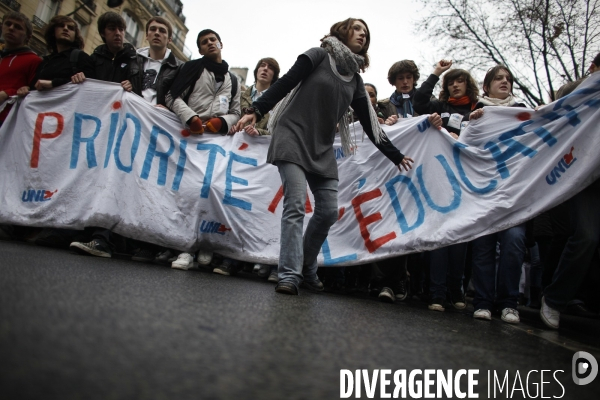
(77, 327)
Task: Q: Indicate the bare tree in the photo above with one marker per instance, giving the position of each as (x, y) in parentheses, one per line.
(545, 43)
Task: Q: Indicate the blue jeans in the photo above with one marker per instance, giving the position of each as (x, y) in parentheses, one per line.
(579, 250)
(298, 254)
(446, 269)
(501, 283)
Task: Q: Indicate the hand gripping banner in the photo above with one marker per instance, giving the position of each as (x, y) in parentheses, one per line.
(92, 155)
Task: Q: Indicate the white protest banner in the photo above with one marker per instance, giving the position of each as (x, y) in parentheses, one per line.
(93, 155)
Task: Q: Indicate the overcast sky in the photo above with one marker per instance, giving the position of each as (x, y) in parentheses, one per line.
(284, 29)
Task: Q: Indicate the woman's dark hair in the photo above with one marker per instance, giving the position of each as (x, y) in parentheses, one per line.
(110, 18)
(454, 74)
(342, 31)
(50, 35)
(373, 86)
(401, 67)
(271, 62)
(491, 74)
(597, 60)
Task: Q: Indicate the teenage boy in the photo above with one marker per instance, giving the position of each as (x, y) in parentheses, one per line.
(151, 75)
(154, 69)
(111, 63)
(112, 59)
(18, 63)
(205, 95)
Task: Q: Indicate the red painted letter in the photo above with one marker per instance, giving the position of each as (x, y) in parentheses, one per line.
(38, 135)
(363, 221)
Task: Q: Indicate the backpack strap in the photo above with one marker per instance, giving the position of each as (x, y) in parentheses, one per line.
(234, 87)
(73, 59)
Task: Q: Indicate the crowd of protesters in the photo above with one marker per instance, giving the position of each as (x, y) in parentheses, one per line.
(549, 263)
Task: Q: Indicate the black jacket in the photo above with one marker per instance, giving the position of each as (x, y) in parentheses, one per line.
(166, 76)
(57, 67)
(111, 68)
(423, 104)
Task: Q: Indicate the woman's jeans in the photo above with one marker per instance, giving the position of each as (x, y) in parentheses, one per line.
(498, 285)
(298, 254)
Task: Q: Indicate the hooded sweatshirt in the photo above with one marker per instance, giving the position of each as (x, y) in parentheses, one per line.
(17, 69)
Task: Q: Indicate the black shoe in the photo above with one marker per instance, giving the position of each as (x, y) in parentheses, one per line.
(436, 304)
(143, 255)
(97, 247)
(316, 285)
(387, 295)
(402, 290)
(286, 288)
(457, 299)
(54, 238)
(579, 310)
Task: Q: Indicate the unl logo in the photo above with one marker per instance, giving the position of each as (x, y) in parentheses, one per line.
(37, 195)
(213, 227)
(565, 163)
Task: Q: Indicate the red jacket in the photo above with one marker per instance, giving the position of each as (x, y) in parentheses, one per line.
(17, 69)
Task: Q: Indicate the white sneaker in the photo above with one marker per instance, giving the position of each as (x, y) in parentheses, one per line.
(204, 257)
(511, 316)
(184, 261)
(550, 316)
(482, 314)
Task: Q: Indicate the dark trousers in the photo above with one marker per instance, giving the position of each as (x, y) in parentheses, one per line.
(577, 255)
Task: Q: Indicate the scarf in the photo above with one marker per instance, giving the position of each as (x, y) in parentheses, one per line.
(489, 101)
(403, 106)
(462, 101)
(191, 71)
(346, 63)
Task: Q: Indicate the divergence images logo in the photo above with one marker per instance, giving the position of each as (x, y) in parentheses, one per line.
(37, 195)
(213, 227)
(585, 368)
(563, 164)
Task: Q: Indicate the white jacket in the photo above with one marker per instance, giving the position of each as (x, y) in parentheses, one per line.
(207, 103)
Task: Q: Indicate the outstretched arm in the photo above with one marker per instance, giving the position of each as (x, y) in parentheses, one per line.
(300, 70)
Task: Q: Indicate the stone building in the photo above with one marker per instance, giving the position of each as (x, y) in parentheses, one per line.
(86, 12)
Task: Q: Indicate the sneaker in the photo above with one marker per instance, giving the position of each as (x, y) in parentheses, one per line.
(550, 316)
(143, 255)
(387, 295)
(402, 290)
(458, 301)
(273, 276)
(226, 268)
(286, 288)
(510, 315)
(315, 286)
(204, 257)
(96, 247)
(263, 270)
(482, 314)
(165, 257)
(436, 304)
(184, 261)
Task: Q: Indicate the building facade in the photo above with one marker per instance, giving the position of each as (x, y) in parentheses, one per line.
(86, 12)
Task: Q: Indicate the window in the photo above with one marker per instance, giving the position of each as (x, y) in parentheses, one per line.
(132, 29)
(46, 9)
